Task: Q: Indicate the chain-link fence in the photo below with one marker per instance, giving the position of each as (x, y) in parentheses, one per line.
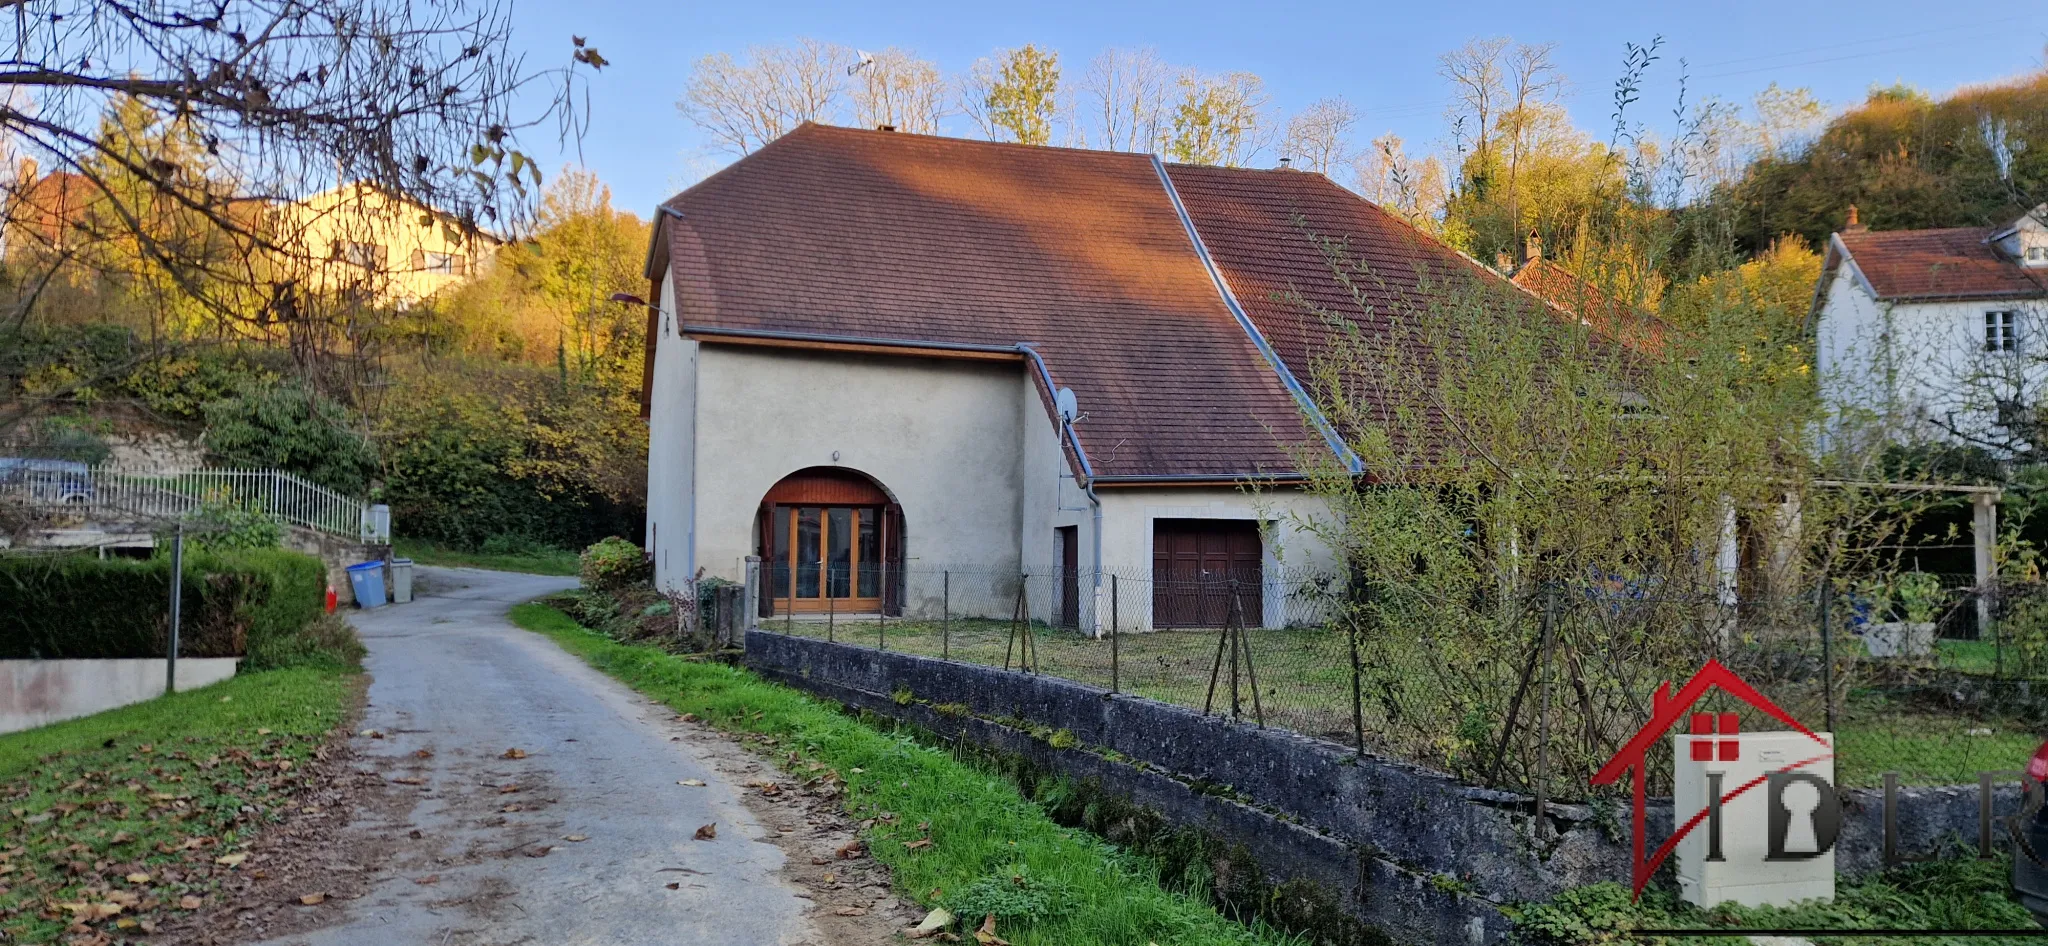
(1530, 689)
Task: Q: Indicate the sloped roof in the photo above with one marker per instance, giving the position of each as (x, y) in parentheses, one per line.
(1952, 263)
(1601, 312)
(884, 235)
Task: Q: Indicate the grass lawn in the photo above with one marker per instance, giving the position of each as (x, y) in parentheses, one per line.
(543, 561)
(127, 816)
(1305, 686)
(989, 849)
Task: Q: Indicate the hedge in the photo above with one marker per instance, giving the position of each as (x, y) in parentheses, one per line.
(247, 603)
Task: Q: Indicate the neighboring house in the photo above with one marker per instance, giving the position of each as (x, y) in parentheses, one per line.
(1939, 333)
(397, 249)
(357, 237)
(1567, 292)
(905, 370)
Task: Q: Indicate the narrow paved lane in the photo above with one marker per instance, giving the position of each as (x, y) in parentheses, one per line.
(455, 687)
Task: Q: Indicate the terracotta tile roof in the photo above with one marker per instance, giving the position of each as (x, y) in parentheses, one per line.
(1602, 313)
(1954, 263)
(905, 237)
(1266, 230)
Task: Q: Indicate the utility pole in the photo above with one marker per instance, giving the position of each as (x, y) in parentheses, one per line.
(177, 596)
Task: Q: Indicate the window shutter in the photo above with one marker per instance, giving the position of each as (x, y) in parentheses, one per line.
(419, 260)
(457, 263)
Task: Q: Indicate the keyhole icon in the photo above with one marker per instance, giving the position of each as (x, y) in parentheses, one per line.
(1800, 799)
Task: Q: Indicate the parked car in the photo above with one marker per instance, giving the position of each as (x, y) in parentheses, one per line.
(2030, 861)
(46, 481)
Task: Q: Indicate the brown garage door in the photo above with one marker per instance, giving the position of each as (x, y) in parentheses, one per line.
(1195, 565)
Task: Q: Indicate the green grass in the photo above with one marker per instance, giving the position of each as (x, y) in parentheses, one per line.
(1925, 748)
(156, 789)
(539, 561)
(984, 835)
(1951, 894)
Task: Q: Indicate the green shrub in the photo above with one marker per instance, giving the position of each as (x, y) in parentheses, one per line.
(254, 603)
(285, 426)
(613, 563)
(224, 526)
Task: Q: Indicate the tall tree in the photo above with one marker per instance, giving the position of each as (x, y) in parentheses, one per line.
(1127, 89)
(1217, 119)
(897, 89)
(1318, 138)
(1015, 95)
(744, 105)
(1388, 175)
(1478, 88)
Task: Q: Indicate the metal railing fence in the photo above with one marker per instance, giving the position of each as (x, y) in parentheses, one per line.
(75, 493)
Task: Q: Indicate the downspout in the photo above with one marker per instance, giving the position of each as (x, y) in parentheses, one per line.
(1087, 485)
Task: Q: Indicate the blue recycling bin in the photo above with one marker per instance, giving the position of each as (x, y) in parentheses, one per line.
(367, 581)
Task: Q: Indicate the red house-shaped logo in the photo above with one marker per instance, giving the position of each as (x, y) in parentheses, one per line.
(1667, 710)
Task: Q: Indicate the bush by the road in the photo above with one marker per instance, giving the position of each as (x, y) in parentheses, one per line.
(613, 563)
(255, 603)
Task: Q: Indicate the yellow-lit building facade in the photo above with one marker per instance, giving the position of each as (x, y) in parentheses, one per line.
(362, 240)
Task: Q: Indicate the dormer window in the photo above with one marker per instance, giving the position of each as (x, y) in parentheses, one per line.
(2037, 256)
(2002, 330)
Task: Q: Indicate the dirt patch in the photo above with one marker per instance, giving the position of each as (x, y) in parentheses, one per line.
(312, 854)
(853, 904)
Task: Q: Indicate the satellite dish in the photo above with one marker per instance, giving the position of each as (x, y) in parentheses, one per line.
(1063, 401)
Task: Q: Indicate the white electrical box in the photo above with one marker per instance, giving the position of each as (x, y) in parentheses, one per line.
(1772, 840)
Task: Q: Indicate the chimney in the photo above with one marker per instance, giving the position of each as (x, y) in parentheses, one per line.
(1504, 261)
(1855, 224)
(1286, 164)
(1533, 247)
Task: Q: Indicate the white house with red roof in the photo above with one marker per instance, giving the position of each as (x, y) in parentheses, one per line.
(901, 371)
(1939, 333)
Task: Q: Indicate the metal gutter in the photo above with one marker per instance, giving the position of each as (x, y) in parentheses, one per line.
(1258, 338)
(871, 341)
(1134, 479)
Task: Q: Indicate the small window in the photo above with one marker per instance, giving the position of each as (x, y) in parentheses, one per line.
(2037, 254)
(366, 255)
(2002, 330)
(450, 264)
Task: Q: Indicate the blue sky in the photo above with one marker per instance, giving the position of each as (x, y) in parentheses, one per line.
(1382, 57)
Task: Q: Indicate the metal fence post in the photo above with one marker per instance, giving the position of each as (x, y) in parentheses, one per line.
(1827, 650)
(946, 617)
(831, 609)
(882, 623)
(177, 603)
(1358, 671)
(1115, 622)
(1229, 629)
(1543, 712)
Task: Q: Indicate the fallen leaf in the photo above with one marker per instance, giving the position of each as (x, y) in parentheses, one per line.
(689, 717)
(514, 754)
(313, 899)
(708, 832)
(189, 902)
(850, 911)
(372, 733)
(575, 837)
(986, 936)
(263, 732)
(423, 753)
(541, 851)
(138, 878)
(414, 834)
(851, 849)
(428, 880)
(692, 782)
(409, 780)
(230, 860)
(678, 885)
(771, 789)
(919, 843)
(508, 789)
(934, 922)
(831, 878)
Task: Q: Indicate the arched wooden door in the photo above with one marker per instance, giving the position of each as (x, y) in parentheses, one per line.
(830, 540)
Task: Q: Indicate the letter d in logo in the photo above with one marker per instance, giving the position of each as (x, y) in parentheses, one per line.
(1805, 816)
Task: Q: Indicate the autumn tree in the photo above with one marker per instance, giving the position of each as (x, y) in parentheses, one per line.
(1127, 92)
(1015, 95)
(1388, 175)
(1318, 137)
(264, 102)
(744, 104)
(1218, 119)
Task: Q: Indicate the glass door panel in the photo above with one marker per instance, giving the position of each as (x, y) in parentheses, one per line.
(805, 552)
(869, 550)
(839, 539)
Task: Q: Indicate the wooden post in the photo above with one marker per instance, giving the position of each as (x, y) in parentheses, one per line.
(1984, 538)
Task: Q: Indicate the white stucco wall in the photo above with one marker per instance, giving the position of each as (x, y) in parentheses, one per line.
(1921, 365)
(671, 451)
(941, 435)
(39, 692)
(1291, 554)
